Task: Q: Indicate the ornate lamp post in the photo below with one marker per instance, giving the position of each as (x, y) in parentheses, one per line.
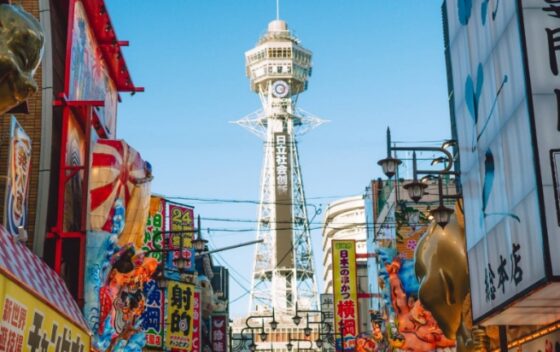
(416, 188)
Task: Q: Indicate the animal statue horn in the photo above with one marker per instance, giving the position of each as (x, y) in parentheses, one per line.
(21, 49)
(442, 270)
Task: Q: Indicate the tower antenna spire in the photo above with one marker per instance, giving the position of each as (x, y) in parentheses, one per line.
(277, 9)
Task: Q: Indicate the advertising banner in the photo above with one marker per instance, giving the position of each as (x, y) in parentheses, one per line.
(180, 311)
(73, 192)
(283, 196)
(541, 33)
(153, 316)
(345, 292)
(493, 124)
(89, 78)
(28, 324)
(153, 238)
(196, 339)
(181, 218)
(219, 333)
(17, 180)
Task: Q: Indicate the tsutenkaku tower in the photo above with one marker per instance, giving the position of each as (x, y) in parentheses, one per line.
(283, 272)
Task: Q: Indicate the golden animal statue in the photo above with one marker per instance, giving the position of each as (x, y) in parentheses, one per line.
(442, 269)
(21, 48)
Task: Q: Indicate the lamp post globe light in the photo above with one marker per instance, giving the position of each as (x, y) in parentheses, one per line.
(389, 166)
(296, 319)
(442, 215)
(415, 190)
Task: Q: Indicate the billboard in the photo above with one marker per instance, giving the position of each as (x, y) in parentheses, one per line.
(196, 337)
(73, 188)
(181, 218)
(493, 123)
(153, 315)
(219, 333)
(88, 77)
(541, 33)
(28, 324)
(17, 180)
(283, 197)
(345, 293)
(180, 310)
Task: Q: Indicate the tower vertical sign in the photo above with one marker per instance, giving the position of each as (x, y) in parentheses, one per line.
(283, 180)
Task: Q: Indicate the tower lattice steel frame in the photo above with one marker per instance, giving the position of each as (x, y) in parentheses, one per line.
(283, 272)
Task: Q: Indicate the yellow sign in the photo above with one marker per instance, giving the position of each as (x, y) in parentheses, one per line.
(28, 324)
(180, 309)
(345, 291)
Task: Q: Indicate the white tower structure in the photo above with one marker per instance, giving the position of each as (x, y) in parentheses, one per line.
(283, 274)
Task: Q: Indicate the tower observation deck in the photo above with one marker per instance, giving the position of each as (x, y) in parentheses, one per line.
(283, 273)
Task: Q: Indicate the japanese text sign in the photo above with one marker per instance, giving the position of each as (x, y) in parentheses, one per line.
(219, 333)
(17, 179)
(152, 317)
(196, 323)
(283, 198)
(494, 124)
(28, 324)
(181, 219)
(180, 309)
(345, 291)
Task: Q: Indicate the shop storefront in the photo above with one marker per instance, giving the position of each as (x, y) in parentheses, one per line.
(37, 310)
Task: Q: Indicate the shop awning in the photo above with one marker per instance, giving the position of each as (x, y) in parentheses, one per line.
(23, 267)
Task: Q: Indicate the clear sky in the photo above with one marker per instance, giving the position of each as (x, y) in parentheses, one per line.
(376, 63)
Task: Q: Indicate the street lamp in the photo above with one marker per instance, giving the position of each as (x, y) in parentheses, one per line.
(199, 243)
(289, 345)
(441, 214)
(415, 188)
(296, 318)
(307, 330)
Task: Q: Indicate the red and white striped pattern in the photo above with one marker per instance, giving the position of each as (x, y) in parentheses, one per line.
(115, 169)
(20, 262)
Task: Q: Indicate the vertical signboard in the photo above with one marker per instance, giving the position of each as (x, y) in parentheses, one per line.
(219, 333)
(17, 180)
(345, 293)
(153, 315)
(73, 192)
(541, 33)
(181, 218)
(283, 196)
(493, 125)
(180, 308)
(196, 337)
(88, 77)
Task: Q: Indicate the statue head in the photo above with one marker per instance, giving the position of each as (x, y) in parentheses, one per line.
(441, 267)
(21, 48)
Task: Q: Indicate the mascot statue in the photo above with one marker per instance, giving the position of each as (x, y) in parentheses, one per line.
(442, 269)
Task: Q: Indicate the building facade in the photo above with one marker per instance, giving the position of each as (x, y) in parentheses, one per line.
(502, 64)
(344, 220)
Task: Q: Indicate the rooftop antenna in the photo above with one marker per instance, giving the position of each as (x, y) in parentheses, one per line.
(277, 9)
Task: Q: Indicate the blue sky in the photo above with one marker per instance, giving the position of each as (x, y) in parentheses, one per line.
(376, 63)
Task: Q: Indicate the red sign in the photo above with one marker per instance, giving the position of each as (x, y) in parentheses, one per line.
(219, 333)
